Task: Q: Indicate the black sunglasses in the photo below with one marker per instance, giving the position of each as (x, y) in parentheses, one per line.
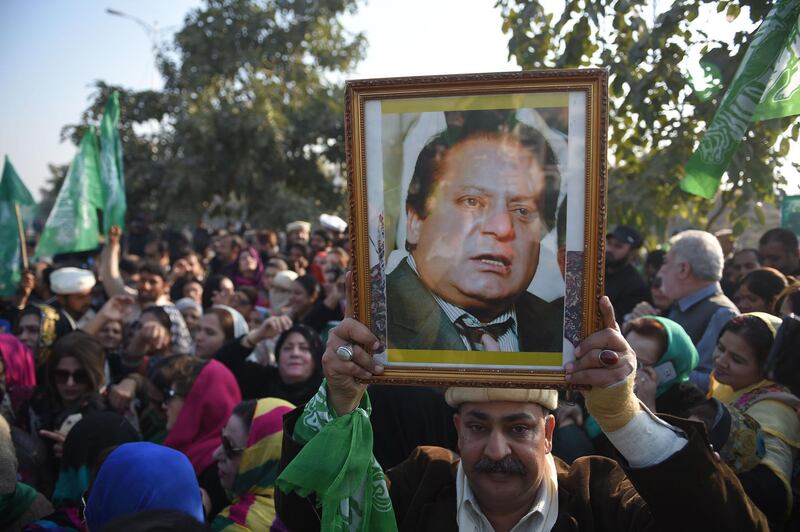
(230, 451)
(79, 377)
(169, 394)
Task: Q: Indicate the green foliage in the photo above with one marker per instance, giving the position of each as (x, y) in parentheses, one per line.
(656, 119)
(249, 114)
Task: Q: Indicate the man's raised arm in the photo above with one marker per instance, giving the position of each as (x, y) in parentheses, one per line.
(109, 265)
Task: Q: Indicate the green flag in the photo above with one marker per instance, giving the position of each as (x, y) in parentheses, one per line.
(737, 109)
(72, 224)
(782, 96)
(111, 172)
(12, 193)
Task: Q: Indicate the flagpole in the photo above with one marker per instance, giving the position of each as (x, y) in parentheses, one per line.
(23, 244)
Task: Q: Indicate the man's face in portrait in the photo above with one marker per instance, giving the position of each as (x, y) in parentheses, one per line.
(477, 246)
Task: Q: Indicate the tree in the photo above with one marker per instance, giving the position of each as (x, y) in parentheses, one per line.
(250, 115)
(656, 117)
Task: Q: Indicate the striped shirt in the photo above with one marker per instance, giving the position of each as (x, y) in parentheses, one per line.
(508, 341)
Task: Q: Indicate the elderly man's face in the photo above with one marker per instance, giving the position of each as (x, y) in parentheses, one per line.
(478, 247)
(672, 274)
(503, 447)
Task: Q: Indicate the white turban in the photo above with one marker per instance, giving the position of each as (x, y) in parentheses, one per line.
(71, 281)
(332, 222)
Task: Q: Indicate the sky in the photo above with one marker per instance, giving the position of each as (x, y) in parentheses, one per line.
(51, 52)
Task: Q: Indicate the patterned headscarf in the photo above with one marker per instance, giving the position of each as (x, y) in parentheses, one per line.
(253, 504)
(53, 324)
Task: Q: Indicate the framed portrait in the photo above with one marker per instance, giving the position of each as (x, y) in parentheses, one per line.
(477, 216)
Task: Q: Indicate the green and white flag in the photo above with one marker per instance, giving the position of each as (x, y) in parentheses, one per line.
(765, 86)
(111, 171)
(12, 193)
(782, 96)
(72, 225)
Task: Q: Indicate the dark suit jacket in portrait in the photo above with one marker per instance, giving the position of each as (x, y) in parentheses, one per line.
(416, 321)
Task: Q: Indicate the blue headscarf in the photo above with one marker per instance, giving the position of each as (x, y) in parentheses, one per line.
(143, 476)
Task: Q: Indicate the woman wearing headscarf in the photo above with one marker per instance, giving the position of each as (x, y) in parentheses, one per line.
(142, 476)
(738, 380)
(298, 354)
(199, 403)
(665, 357)
(248, 464)
(192, 311)
(280, 291)
(249, 269)
(17, 386)
(17, 376)
(38, 327)
(20, 504)
(219, 325)
(83, 448)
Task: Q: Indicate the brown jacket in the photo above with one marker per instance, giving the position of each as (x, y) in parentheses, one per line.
(688, 491)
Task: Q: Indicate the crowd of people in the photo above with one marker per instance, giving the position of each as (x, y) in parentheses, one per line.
(179, 352)
(147, 383)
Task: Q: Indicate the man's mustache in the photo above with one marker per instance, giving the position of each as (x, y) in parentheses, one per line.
(508, 465)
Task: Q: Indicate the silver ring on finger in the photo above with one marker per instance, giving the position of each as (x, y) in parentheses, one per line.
(345, 352)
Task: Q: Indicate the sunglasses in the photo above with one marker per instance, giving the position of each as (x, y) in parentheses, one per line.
(169, 394)
(79, 377)
(230, 451)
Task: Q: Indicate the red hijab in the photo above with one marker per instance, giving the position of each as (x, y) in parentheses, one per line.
(198, 429)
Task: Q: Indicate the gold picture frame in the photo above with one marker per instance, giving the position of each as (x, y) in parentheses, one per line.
(458, 189)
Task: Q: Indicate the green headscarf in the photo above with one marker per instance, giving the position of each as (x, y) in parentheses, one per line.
(680, 351)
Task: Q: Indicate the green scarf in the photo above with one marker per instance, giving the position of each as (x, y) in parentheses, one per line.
(680, 351)
(337, 464)
(13, 505)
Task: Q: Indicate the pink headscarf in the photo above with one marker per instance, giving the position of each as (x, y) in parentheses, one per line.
(20, 368)
(18, 359)
(254, 278)
(198, 429)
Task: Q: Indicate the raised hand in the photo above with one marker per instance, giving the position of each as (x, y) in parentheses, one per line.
(114, 235)
(273, 326)
(344, 391)
(604, 357)
(118, 308)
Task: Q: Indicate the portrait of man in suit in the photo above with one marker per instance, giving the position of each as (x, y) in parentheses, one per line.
(481, 198)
